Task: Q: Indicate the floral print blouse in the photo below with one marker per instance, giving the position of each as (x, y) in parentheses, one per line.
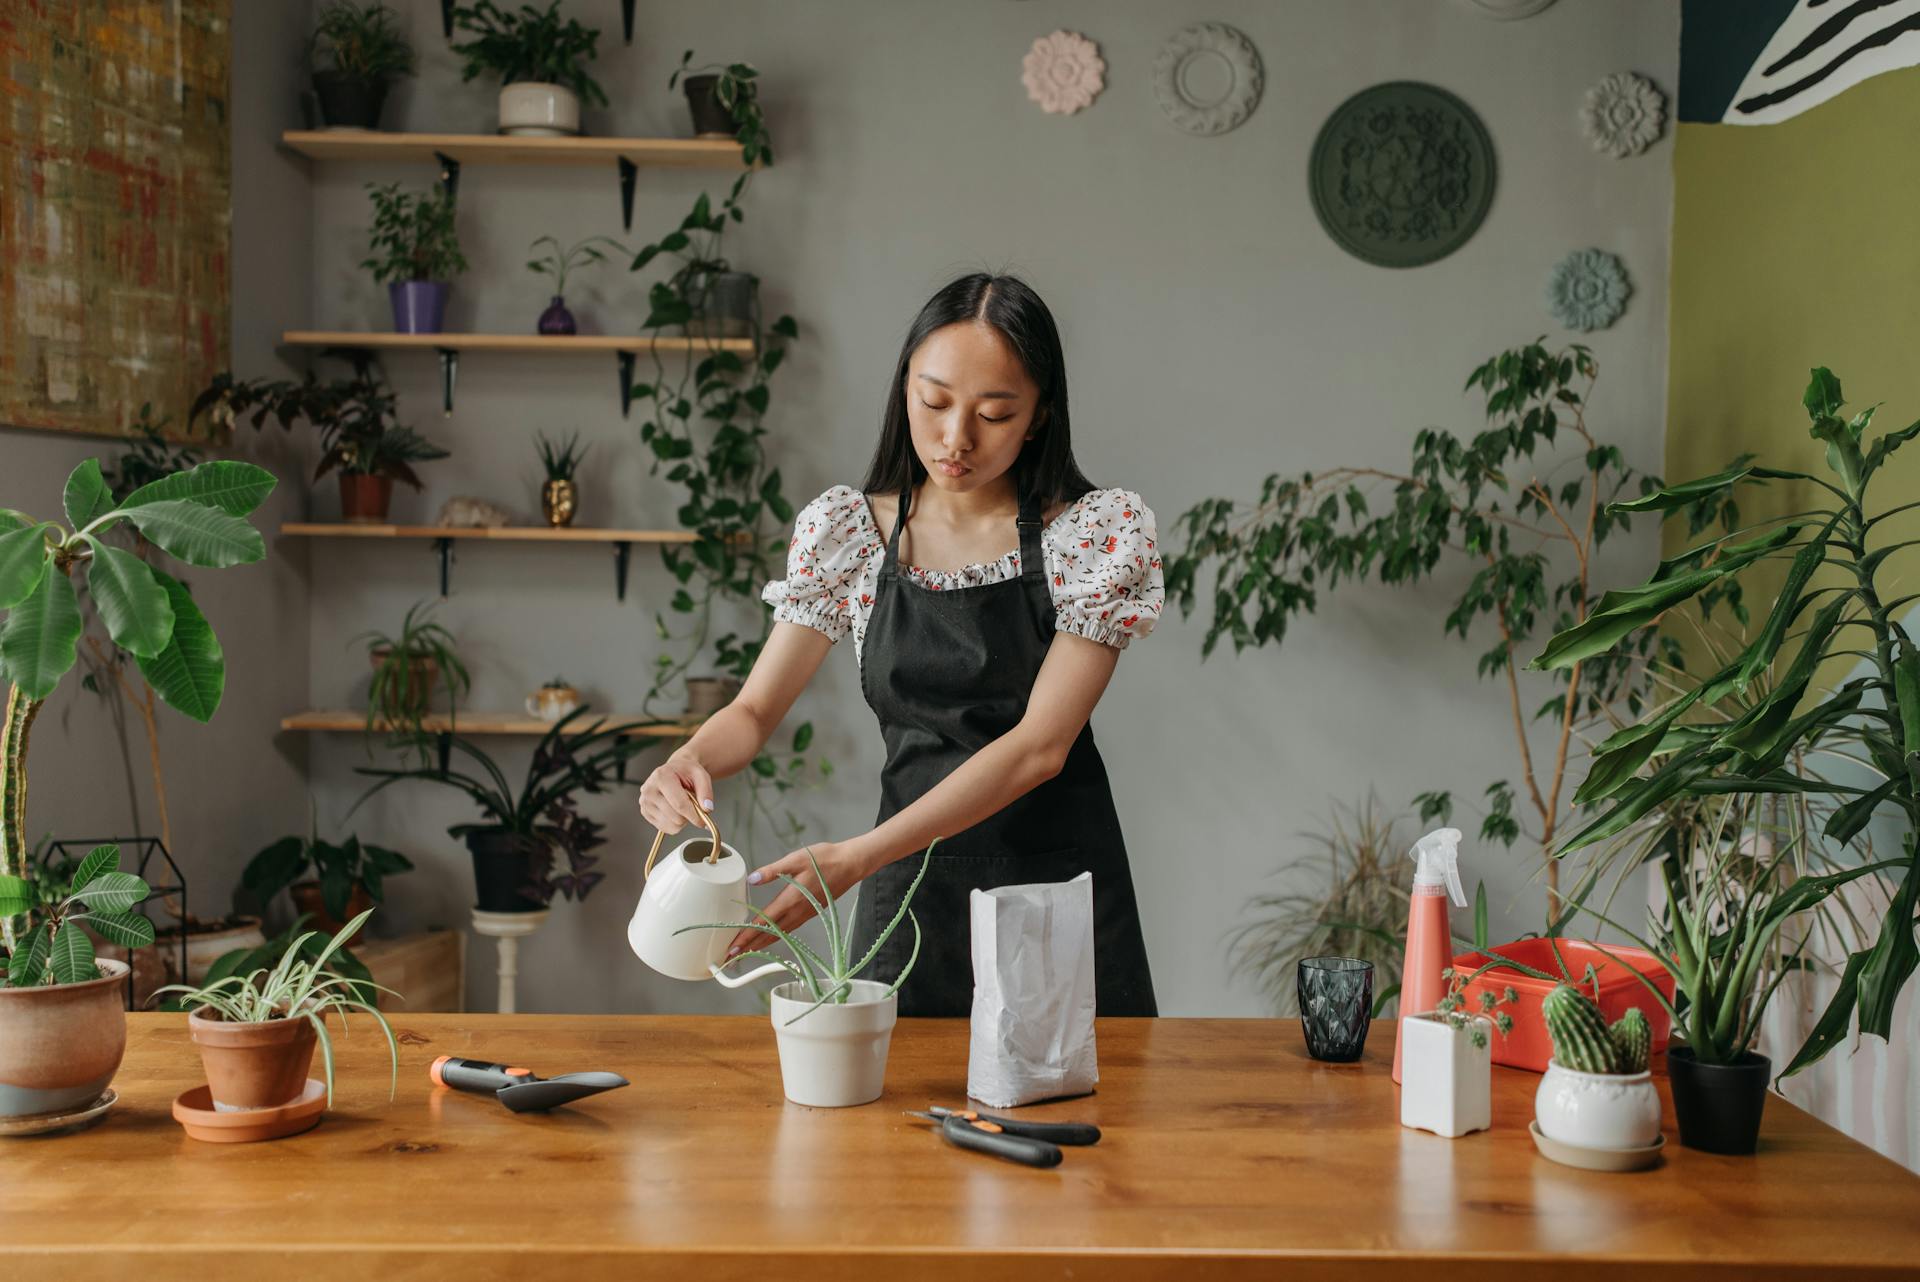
(1102, 555)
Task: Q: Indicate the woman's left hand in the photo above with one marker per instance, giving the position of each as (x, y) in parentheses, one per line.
(839, 863)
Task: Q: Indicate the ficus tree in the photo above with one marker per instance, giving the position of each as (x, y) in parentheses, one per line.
(197, 516)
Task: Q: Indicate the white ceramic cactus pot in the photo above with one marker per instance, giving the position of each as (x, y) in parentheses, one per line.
(1597, 1110)
(1446, 1075)
(531, 109)
(834, 1056)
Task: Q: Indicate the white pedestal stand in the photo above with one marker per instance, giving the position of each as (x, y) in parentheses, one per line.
(508, 928)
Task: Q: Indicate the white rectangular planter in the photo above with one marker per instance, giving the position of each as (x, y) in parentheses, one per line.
(1446, 1082)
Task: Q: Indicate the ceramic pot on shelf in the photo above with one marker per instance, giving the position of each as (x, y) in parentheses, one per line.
(61, 1044)
(252, 1065)
(534, 109)
(557, 321)
(559, 501)
(722, 302)
(1446, 1077)
(419, 306)
(349, 102)
(1597, 1110)
(552, 703)
(365, 498)
(711, 119)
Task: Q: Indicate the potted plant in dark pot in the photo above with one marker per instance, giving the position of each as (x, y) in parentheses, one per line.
(416, 254)
(199, 517)
(328, 883)
(359, 437)
(535, 843)
(724, 101)
(557, 262)
(356, 51)
(539, 60)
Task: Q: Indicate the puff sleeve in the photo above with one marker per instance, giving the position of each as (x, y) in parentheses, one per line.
(1105, 568)
(828, 559)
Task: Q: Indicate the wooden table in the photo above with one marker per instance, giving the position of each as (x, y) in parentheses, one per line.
(1227, 1153)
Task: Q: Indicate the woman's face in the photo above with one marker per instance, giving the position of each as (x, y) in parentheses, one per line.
(971, 405)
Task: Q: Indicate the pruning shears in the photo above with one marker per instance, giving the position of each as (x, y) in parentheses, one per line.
(1028, 1143)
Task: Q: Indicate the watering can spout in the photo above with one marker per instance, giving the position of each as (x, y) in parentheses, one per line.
(739, 981)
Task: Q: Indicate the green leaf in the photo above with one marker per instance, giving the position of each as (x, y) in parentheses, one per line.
(30, 962)
(1822, 398)
(130, 600)
(100, 859)
(803, 736)
(1835, 1021)
(24, 557)
(111, 892)
(197, 534)
(1480, 936)
(86, 495)
(1674, 496)
(274, 868)
(1786, 606)
(71, 956)
(1906, 690)
(234, 488)
(1847, 822)
(16, 895)
(191, 672)
(129, 930)
(38, 646)
(1663, 785)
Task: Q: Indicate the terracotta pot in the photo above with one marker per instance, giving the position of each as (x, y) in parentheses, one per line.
(259, 1065)
(307, 899)
(61, 1044)
(365, 498)
(707, 695)
(422, 677)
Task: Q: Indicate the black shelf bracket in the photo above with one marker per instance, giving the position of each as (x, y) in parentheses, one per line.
(443, 741)
(622, 558)
(449, 370)
(446, 18)
(449, 176)
(620, 763)
(626, 17)
(626, 382)
(444, 547)
(629, 173)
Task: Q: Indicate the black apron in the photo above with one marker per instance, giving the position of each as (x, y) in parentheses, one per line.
(948, 672)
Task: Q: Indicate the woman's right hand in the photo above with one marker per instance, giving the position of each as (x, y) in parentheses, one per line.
(664, 798)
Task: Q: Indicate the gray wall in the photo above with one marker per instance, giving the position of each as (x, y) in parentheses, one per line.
(231, 786)
(1213, 333)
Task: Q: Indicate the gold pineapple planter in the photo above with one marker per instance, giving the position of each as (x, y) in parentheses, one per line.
(559, 500)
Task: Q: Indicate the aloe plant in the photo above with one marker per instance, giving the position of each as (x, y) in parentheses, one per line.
(54, 949)
(198, 516)
(829, 978)
(1753, 728)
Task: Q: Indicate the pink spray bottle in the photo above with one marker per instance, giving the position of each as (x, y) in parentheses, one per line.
(1429, 932)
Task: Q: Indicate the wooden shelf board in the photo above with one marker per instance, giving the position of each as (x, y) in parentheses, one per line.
(509, 533)
(487, 723)
(472, 149)
(570, 343)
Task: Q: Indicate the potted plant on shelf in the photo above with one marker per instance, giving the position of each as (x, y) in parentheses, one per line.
(329, 884)
(359, 437)
(357, 52)
(415, 253)
(1597, 1092)
(63, 1025)
(836, 1057)
(540, 62)
(724, 102)
(553, 700)
(534, 844)
(406, 667)
(1446, 1083)
(560, 493)
(256, 1032)
(557, 262)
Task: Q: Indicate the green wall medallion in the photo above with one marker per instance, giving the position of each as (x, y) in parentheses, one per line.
(1401, 174)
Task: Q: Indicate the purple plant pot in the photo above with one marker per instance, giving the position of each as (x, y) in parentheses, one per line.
(557, 319)
(419, 306)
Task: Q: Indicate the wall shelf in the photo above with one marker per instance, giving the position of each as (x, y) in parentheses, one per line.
(449, 346)
(443, 536)
(490, 723)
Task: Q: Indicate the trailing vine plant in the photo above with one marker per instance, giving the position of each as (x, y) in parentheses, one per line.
(1524, 501)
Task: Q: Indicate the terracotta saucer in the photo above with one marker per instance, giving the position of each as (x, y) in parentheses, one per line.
(194, 1110)
(46, 1123)
(1596, 1159)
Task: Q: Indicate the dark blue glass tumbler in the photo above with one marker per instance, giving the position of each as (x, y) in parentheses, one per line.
(1336, 1006)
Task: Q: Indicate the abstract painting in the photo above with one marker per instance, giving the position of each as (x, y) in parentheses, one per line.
(114, 210)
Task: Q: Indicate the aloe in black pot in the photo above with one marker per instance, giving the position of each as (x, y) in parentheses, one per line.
(357, 52)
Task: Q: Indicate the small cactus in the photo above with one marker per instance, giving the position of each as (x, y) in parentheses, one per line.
(1632, 1039)
(1581, 1040)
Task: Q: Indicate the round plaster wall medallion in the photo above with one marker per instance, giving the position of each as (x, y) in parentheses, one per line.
(1063, 72)
(1208, 78)
(1588, 289)
(1505, 10)
(1401, 174)
(1623, 114)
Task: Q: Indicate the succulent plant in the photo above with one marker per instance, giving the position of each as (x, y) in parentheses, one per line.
(1581, 1039)
(1632, 1039)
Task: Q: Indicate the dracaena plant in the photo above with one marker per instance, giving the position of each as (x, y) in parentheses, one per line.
(1761, 727)
(198, 516)
(53, 949)
(1524, 503)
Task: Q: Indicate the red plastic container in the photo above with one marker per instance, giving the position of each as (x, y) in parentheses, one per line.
(1528, 1045)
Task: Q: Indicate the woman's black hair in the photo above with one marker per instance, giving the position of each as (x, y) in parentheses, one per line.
(1045, 469)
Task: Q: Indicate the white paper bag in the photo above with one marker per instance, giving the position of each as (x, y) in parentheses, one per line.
(1032, 993)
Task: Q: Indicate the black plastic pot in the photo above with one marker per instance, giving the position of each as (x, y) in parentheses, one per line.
(500, 866)
(709, 116)
(349, 102)
(1717, 1106)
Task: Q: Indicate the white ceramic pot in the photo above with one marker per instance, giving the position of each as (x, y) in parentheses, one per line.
(1597, 1110)
(683, 890)
(1446, 1079)
(531, 109)
(834, 1056)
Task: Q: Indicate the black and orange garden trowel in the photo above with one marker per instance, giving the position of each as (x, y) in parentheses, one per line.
(518, 1088)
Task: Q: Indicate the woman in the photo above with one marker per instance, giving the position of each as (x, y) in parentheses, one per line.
(989, 590)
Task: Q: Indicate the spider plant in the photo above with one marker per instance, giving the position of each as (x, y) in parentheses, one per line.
(561, 460)
(829, 978)
(298, 988)
(405, 667)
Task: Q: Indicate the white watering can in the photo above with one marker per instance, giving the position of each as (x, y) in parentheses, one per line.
(701, 881)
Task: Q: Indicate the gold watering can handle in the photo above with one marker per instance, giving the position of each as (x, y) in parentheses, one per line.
(660, 835)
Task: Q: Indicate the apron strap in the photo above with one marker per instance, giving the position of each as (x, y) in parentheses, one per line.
(899, 524)
(1033, 564)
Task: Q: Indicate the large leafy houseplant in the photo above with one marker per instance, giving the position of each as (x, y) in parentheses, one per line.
(1758, 726)
(339, 869)
(1526, 502)
(54, 949)
(198, 516)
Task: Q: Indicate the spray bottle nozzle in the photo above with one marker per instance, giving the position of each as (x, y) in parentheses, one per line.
(1437, 860)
